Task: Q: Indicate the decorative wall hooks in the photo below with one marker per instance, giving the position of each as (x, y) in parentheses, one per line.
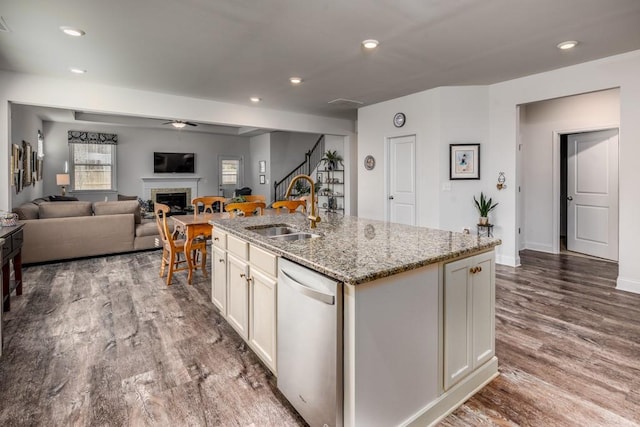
(501, 179)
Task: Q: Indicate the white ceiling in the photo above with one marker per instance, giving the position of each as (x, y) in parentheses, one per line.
(229, 50)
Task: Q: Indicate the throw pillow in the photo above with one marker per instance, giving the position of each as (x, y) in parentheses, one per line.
(63, 199)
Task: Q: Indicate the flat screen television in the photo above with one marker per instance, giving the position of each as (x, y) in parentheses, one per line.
(174, 162)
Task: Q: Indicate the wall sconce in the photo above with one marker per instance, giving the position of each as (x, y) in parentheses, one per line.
(501, 179)
(63, 179)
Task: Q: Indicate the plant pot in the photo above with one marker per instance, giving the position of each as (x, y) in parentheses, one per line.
(483, 220)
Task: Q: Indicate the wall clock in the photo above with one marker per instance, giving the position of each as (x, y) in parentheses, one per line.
(399, 120)
(369, 162)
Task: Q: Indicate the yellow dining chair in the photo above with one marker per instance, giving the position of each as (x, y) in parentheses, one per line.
(256, 198)
(248, 208)
(208, 203)
(290, 205)
(172, 247)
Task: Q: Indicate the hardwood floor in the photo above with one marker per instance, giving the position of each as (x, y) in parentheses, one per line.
(104, 341)
(568, 346)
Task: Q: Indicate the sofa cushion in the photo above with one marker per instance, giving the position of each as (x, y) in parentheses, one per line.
(148, 227)
(121, 207)
(64, 209)
(27, 211)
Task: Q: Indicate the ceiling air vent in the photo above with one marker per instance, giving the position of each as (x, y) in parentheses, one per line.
(346, 103)
(3, 25)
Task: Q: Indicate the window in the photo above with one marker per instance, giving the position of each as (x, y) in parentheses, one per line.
(230, 171)
(93, 158)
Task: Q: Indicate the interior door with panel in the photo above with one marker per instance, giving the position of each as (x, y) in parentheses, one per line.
(401, 206)
(592, 193)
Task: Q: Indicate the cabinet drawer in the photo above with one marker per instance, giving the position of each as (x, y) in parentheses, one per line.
(6, 246)
(238, 247)
(265, 261)
(17, 239)
(219, 239)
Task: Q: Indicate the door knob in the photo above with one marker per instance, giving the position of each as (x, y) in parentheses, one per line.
(390, 197)
(569, 198)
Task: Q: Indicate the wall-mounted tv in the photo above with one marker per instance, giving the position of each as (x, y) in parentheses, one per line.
(174, 162)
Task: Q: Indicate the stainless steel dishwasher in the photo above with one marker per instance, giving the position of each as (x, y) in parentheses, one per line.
(310, 343)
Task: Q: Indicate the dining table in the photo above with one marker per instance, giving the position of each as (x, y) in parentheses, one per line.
(197, 225)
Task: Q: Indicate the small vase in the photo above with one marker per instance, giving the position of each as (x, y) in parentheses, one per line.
(483, 220)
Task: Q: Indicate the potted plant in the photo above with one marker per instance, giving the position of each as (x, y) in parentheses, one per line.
(484, 206)
(331, 159)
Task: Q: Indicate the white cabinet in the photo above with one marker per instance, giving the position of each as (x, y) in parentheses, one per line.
(469, 315)
(238, 294)
(219, 279)
(219, 270)
(244, 289)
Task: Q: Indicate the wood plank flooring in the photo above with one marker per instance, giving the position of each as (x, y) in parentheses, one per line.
(104, 341)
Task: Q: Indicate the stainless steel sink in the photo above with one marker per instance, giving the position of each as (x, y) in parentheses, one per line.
(295, 236)
(274, 230)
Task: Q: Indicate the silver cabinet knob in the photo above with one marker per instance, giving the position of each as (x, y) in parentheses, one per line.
(569, 198)
(390, 197)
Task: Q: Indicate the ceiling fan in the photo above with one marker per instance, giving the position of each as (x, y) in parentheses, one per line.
(179, 124)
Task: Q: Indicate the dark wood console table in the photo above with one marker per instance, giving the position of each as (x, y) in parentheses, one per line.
(11, 250)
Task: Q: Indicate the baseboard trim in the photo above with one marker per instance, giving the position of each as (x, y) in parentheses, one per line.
(449, 401)
(628, 285)
(509, 261)
(540, 247)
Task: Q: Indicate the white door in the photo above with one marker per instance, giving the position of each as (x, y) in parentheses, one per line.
(402, 180)
(231, 175)
(592, 193)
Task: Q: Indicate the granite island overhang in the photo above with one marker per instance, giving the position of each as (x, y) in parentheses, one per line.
(418, 311)
(356, 250)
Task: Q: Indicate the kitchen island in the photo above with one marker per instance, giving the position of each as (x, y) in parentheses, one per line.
(417, 309)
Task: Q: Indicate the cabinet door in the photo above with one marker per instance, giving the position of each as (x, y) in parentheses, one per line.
(219, 280)
(483, 288)
(262, 316)
(469, 315)
(457, 322)
(238, 295)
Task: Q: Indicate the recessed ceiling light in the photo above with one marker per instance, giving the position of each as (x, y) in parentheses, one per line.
(370, 44)
(77, 70)
(295, 80)
(178, 124)
(75, 32)
(255, 99)
(569, 44)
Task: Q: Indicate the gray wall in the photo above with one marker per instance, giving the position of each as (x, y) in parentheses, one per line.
(135, 153)
(24, 127)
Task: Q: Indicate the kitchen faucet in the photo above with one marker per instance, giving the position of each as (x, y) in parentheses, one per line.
(312, 217)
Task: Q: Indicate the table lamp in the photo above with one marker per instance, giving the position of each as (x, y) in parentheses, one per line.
(63, 180)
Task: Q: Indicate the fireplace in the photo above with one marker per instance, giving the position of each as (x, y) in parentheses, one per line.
(176, 201)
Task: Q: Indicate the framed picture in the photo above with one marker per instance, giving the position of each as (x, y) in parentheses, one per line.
(464, 161)
(262, 179)
(262, 167)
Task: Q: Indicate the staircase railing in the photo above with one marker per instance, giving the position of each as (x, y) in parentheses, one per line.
(311, 160)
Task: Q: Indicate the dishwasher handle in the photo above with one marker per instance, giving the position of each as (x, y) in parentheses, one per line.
(305, 290)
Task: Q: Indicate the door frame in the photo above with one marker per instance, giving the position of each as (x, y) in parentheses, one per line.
(387, 173)
(556, 158)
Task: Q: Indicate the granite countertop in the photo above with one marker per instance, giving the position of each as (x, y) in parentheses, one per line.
(356, 250)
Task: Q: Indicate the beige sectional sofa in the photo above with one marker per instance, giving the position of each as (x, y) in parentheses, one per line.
(74, 229)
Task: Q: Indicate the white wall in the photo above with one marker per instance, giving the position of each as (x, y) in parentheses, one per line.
(539, 122)
(617, 71)
(89, 97)
(25, 126)
(437, 118)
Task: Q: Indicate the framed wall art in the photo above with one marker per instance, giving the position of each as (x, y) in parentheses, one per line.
(262, 166)
(262, 179)
(464, 161)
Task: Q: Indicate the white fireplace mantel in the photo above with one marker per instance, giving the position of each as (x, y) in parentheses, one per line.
(165, 182)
